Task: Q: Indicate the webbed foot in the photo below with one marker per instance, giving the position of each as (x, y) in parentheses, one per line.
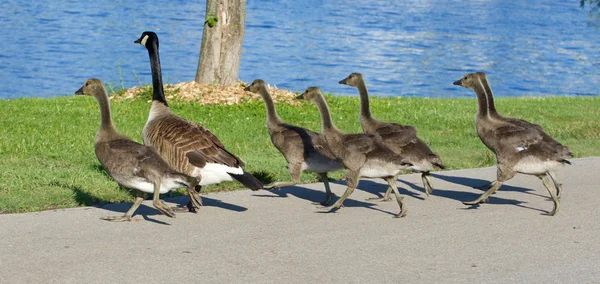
(380, 199)
(124, 218)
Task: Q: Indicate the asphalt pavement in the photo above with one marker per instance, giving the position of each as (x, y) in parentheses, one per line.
(281, 237)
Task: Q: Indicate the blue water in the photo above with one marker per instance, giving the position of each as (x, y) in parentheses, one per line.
(403, 48)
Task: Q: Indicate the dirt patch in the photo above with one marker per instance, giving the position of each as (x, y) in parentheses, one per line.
(208, 94)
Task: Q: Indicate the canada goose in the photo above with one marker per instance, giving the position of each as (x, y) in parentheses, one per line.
(185, 145)
(520, 146)
(131, 164)
(402, 139)
(364, 155)
(304, 150)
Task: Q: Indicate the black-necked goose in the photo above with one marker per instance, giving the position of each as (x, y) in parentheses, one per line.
(363, 155)
(304, 150)
(131, 164)
(520, 146)
(402, 139)
(186, 146)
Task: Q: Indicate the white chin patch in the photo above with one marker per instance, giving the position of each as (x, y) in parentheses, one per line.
(144, 39)
(521, 149)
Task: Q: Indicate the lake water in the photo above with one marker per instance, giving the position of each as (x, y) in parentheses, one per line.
(403, 48)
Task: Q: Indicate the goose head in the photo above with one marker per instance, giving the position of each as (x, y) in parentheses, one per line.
(352, 80)
(147, 38)
(310, 94)
(255, 86)
(92, 87)
(471, 80)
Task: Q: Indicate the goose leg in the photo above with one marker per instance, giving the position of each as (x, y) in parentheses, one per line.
(386, 197)
(328, 194)
(127, 217)
(399, 198)
(427, 183)
(295, 172)
(352, 182)
(195, 194)
(275, 185)
(557, 185)
(195, 200)
(551, 189)
(483, 198)
(159, 204)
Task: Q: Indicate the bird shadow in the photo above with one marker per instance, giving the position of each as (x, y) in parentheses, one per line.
(375, 188)
(480, 184)
(319, 195)
(84, 198)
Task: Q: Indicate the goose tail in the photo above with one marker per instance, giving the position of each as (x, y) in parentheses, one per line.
(248, 180)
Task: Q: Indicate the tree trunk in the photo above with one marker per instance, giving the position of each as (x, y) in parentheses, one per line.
(222, 38)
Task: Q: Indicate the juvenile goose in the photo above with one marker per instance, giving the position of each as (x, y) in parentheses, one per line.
(131, 164)
(304, 150)
(402, 139)
(364, 155)
(185, 145)
(520, 146)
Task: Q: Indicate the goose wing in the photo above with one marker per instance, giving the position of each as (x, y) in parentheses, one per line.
(517, 137)
(400, 134)
(195, 142)
(141, 158)
(362, 143)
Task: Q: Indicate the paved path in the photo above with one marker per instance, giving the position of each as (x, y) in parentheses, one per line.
(280, 237)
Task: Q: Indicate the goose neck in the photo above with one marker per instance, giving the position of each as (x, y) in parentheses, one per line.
(106, 125)
(328, 126)
(157, 84)
(272, 116)
(365, 110)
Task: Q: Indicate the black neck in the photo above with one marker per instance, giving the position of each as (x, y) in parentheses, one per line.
(157, 84)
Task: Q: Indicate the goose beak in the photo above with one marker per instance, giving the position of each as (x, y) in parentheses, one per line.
(343, 82)
(301, 97)
(458, 83)
(247, 89)
(139, 40)
(80, 91)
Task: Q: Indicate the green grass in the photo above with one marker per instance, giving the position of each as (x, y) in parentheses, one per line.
(47, 145)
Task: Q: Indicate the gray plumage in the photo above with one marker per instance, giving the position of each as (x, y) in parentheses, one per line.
(402, 139)
(520, 146)
(363, 155)
(303, 149)
(129, 163)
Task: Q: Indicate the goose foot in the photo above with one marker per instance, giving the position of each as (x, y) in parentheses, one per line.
(325, 202)
(476, 201)
(117, 218)
(330, 209)
(162, 207)
(401, 214)
(380, 199)
(277, 185)
(495, 185)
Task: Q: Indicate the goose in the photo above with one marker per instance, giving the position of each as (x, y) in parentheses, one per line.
(131, 164)
(186, 146)
(402, 139)
(304, 150)
(363, 155)
(520, 146)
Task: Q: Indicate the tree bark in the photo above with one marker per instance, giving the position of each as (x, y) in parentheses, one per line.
(221, 48)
